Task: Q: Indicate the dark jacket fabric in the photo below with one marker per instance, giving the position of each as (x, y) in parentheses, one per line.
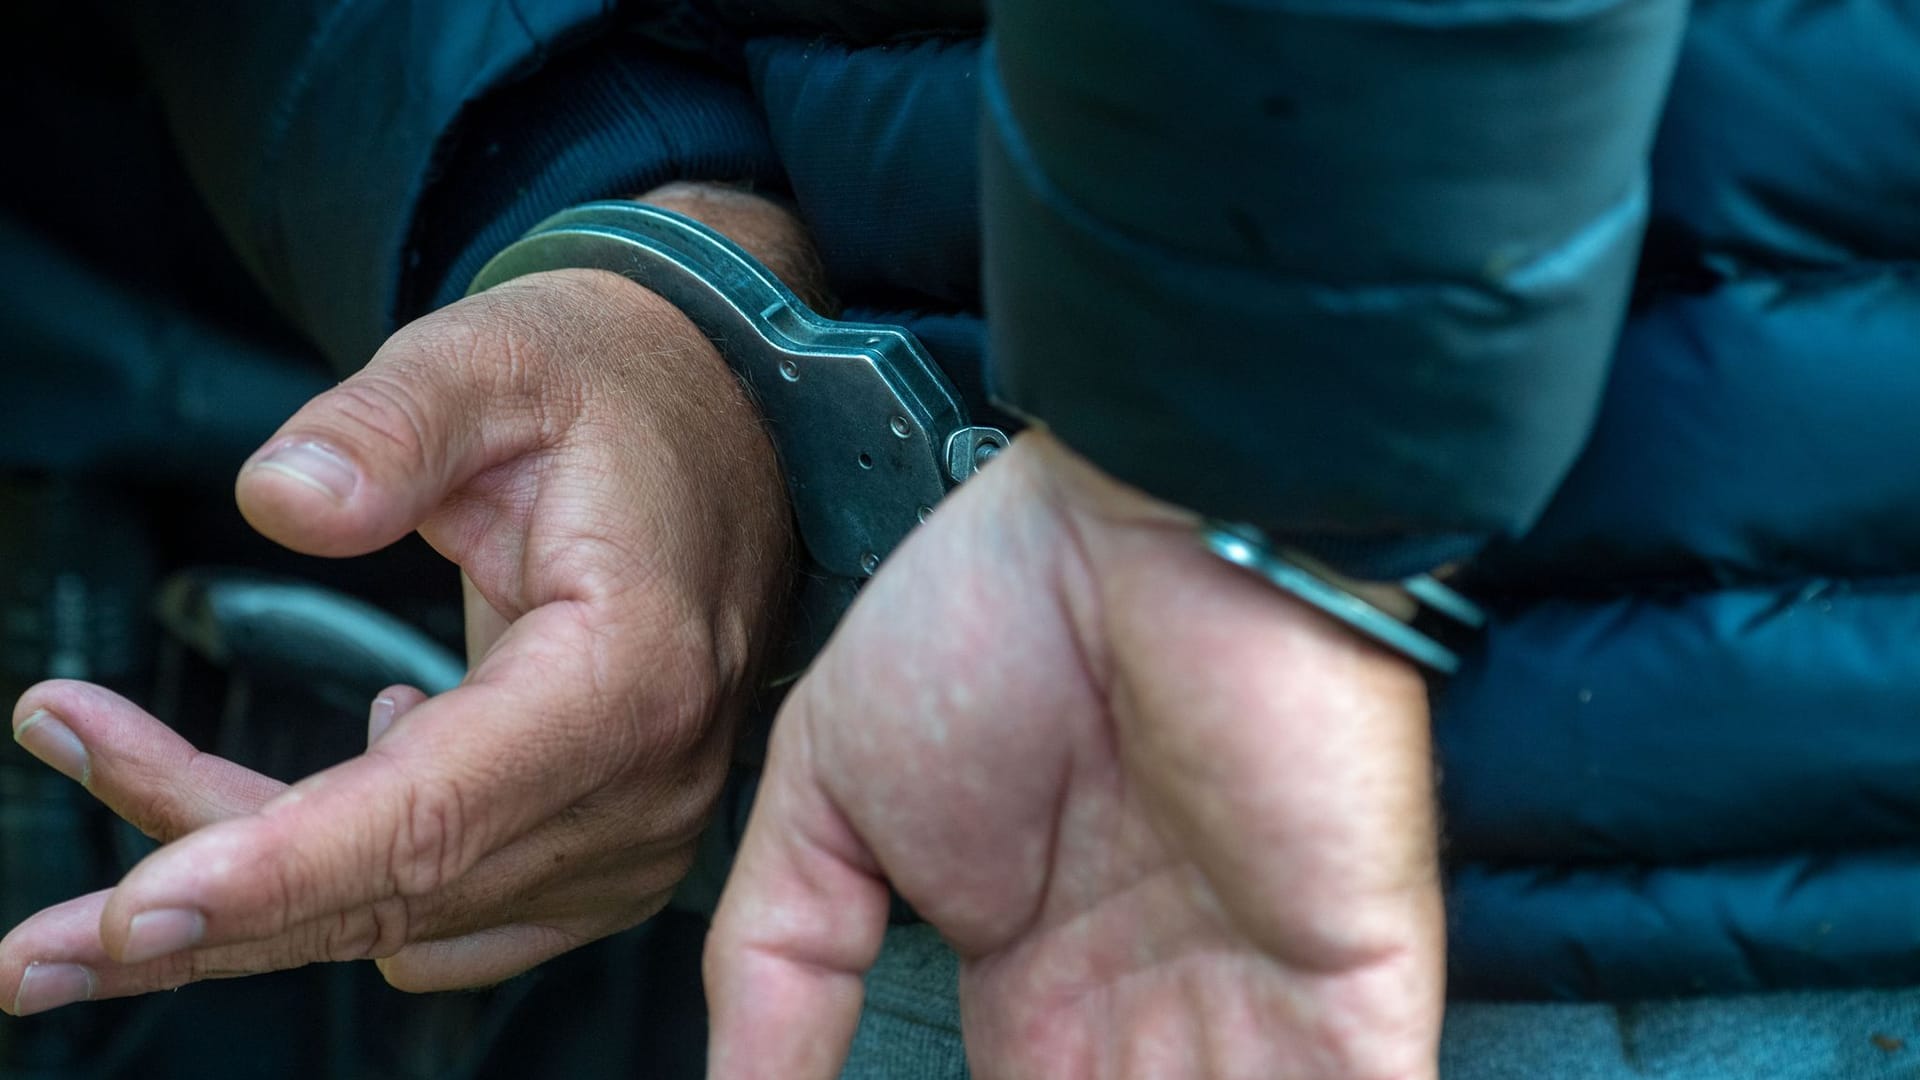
(1405, 231)
(314, 130)
(1369, 288)
(1686, 756)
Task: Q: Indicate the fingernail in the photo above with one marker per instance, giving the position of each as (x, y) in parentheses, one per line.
(379, 719)
(49, 986)
(163, 932)
(315, 464)
(45, 737)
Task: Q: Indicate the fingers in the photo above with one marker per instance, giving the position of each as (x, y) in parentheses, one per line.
(56, 957)
(136, 765)
(390, 705)
(798, 926)
(462, 937)
(478, 959)
(59, 942)
(459, 777)
(445, 398)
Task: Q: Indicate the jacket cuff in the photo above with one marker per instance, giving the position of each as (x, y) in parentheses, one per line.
(614, 119)
(1358, 288)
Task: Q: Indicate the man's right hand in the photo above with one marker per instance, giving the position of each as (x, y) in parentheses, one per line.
(1175, 823)
(579, 449)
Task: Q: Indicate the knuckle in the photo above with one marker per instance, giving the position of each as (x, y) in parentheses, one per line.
(374, 931)
(285, 885)
(381, 410)
(392, 922)
(500, 346)
(490, 339)
(350, 935)
(424, 850)
(153, 811)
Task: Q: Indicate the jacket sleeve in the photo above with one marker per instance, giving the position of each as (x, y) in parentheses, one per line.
(1350, 270)
(359, 155)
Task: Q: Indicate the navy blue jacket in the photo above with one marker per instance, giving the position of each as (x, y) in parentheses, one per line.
(1355, 270)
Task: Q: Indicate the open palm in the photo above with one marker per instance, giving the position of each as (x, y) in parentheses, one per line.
(1173, 823)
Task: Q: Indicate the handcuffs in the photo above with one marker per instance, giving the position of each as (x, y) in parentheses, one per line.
(1437, 612)
(870, 433)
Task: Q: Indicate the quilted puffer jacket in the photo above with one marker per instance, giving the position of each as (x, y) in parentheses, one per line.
(1616, 299)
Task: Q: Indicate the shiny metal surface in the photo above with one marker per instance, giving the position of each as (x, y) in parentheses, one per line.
(1247, 547)
(864, 422)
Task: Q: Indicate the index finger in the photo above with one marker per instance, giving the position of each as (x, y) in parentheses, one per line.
(140, 768)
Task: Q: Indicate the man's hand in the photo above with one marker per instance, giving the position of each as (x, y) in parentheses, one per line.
(1174, 823)
(577, 447)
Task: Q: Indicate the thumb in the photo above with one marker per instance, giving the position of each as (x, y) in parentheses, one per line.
(800, 922)
(446, 397)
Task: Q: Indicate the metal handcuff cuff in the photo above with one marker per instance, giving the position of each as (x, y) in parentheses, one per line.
(1434, 604)
(870, 433)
